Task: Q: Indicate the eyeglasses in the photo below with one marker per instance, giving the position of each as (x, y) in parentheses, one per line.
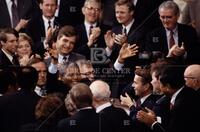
(166, 17)
(88, 73)
(91, 8)
(189, 77)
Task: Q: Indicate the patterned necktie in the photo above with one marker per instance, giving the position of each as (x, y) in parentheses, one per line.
(15, 16)
(171, 39)
(138, 103)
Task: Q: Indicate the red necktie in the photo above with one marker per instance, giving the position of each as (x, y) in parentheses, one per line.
(171, 39)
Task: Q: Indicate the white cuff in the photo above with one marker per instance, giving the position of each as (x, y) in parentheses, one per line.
(52, 68)
(118, 66)
(108, 51)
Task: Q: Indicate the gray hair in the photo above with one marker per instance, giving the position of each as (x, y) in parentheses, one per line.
(170, 5)
(100, 90)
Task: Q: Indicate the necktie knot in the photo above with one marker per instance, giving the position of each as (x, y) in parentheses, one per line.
(125, 31)
(65, 59)
(49, 22)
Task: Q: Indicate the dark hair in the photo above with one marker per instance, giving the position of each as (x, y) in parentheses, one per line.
(67, 31)
(173, 76)
(7, 78)
(81, 95)
(48, 106)
(5, 31)
(145, 74)
(27, 78)
(128, 3)
(42, 1)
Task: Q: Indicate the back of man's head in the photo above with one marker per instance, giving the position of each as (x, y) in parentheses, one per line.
(100, 90)
(27, 78)
(81, 95)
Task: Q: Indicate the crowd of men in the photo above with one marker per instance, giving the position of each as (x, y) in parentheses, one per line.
(99, 66)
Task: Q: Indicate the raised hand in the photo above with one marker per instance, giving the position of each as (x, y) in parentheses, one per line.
(94, 36)
(127, 51)
(109, 39)
(126, 100)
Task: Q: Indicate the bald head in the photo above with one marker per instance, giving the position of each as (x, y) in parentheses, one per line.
(100, 90)
(193, 71)
(192, 76)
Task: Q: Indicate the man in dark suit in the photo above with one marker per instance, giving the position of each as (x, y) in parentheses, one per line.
(91, 32)
(183, 100)
(26, 9)
(69, 12)
(40, 28)
(173, 39)
(112, 119)
(143, 89)
(19, 108)
(8, 39)
(85, 119)
(192, 77)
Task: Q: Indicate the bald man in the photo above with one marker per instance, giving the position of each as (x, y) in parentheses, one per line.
(192, 77)
(112, 119)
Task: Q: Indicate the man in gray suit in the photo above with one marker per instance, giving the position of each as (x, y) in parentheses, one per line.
(63, 54)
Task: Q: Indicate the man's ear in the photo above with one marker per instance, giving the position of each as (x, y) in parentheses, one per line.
(2, 43)
(83, 10)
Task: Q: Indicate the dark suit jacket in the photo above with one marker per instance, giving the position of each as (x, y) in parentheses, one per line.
(70, 12)
(81, 46)
(26, 8)
(36, 30)
(137, 125)
(162, 109)
(135, 36)
(184, 112)
(4, 61)
(114, 120)
(17, 109)
(157, 41)
(86, 120)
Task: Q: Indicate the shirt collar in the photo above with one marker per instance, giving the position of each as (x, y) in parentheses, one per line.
(60, 58)
(128, 27)
(103, 106)
(172, 101)
(175, 30)
(144, 98)
(10, 57)
(87, 27)
(85, 108)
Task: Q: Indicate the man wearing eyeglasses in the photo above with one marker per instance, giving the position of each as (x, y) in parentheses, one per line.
(192, 77)
(173, 39)
(90, 31)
